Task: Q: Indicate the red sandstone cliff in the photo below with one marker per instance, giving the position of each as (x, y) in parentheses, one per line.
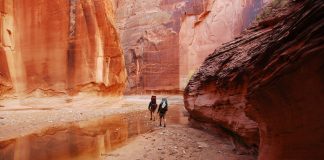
(60, 46)
(202, 32)
(273, 73)
(164, 40)
(149, 35)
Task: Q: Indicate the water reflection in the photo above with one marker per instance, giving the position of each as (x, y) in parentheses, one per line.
(85, 139)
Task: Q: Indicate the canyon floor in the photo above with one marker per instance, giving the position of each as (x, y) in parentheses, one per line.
(78, 127)
(176, 142)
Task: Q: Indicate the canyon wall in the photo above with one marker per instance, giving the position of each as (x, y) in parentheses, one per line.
(165, 40)
(6, 46)
(202, 32)
(60, 47)
(149, 36)
(272, 73)
(69, 46)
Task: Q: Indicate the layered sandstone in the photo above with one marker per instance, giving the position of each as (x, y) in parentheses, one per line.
(149, 35)
(6, 46)
(202, 32)
(274, 73)
(157, 37)
(54, 47)
(60, 46)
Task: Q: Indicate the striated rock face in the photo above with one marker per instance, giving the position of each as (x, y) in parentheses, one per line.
(164, 41)
(60, 46)
(273, 73)
(6, 46)
(149, 35)
(202, 32)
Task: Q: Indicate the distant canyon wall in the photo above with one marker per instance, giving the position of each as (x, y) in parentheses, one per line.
(149, 35)
(164, 41)
(63, 46)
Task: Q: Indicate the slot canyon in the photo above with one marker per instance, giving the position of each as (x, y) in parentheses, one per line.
(243, 79)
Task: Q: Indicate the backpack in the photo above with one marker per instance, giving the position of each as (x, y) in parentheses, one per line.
(163, 106)
(152, 106)
(153, 99)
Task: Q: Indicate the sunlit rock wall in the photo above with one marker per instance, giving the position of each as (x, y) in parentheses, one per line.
(149, 35)
(164, 41)
(6, 46)
(202, 32)
(62, 46)
(73, 45)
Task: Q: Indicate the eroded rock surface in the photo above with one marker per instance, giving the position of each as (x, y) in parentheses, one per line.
(60, 46)
(149, 35)
(202, 32)
(164, 41)
(55, 47)
(274, 73)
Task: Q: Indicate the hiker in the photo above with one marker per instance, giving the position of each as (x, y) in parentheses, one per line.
(163, 108)
(152, 106)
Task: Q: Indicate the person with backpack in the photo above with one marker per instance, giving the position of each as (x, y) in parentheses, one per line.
(152, 106)
(163, 108)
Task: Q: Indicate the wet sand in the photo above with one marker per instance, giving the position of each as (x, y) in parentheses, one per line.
(90, 127)
(22, 117)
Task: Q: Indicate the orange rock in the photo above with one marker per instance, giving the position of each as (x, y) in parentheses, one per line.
(49, 46)
(202, 32)
(271, 76)
(65, 45)
(164, 42)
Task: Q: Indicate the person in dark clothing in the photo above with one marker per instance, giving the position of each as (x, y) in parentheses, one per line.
(163, 108)
(152, 106)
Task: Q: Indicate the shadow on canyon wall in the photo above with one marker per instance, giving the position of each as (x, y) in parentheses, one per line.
(268, 83)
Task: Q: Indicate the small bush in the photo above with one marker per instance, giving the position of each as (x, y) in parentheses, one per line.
(275, 4)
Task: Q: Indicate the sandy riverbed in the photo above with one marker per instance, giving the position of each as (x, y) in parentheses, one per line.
(90, 127)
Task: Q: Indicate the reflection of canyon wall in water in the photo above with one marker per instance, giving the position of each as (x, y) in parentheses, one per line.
(86, 139)
(163, 41)
(59, 46)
